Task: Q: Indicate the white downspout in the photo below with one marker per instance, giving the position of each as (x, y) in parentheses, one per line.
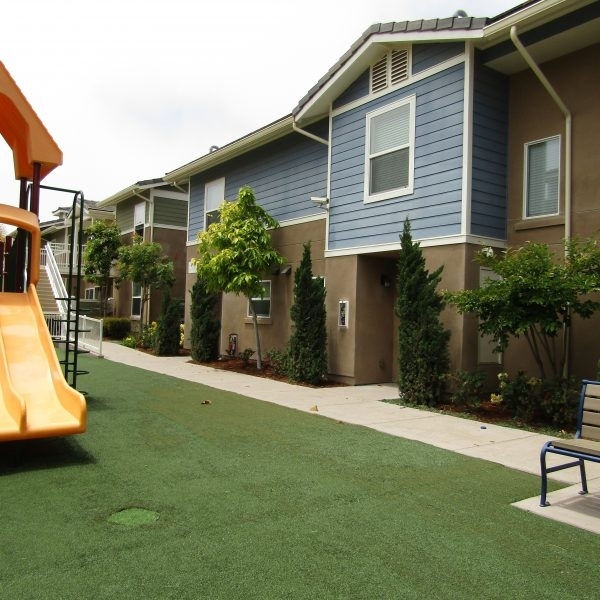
(568, 153)
(567, 114)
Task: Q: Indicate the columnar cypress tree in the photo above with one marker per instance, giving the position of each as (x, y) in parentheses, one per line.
(206, 327)
(308, 344)
(166, 342)
(422, 339)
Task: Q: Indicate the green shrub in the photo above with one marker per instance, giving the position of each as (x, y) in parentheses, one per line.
(116, 328)
(166, 340)
(206, 328)
(130, 341)
(467, 388)
(279, 361)
(147, 338)
(307, 348)
(246, 355)
(532, 400)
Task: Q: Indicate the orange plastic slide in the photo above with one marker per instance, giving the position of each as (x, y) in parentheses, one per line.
(35, 399)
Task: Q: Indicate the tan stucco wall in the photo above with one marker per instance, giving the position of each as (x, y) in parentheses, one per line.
(534, 116)
(275, 331)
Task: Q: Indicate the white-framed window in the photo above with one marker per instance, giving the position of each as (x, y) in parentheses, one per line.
(389, 151)
(214, 195)
(136, 300)
(262, 304)
(139, 218)
(92, 293)
(542, 176)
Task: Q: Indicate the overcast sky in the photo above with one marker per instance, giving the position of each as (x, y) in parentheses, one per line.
(132, 89)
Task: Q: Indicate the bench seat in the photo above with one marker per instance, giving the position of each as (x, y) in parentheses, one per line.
(584, 446)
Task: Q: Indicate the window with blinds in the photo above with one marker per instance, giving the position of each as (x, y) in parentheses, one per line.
(542, 175)
(214, 195)
(390, 151)
(262, 304)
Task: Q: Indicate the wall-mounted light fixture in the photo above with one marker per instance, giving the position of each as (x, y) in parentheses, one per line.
(319, 201)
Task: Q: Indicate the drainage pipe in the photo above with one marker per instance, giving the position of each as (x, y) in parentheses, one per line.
(568, 153)
(567, 114)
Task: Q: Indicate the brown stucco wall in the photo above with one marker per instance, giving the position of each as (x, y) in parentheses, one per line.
(275, 331)
(533, 116)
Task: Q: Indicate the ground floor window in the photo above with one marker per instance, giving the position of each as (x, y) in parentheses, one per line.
(136, 300)
(262, 304)
(92, 293)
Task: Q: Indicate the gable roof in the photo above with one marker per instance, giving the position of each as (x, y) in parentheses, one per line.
(578, 18)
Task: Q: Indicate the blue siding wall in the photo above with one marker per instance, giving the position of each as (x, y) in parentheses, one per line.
(425, 56)
(435, 206)
(359, 89)
(490, 141)
(283, 174)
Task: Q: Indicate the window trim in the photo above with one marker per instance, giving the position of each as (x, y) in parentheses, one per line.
(135, 297)
(140, 207)
(526, 147)
(268, 297)
(396, 192)
(220, 181)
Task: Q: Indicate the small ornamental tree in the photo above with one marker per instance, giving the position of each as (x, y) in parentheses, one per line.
(536, 296)
(307, 350)
(205, 325)
(145, 264)
(422, 339)
(167, 338)
(235, 252)
(101, 252)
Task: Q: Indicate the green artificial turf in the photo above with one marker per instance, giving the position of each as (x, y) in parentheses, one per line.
(243, 499)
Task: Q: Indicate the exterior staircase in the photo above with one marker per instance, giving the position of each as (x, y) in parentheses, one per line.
(45, 294)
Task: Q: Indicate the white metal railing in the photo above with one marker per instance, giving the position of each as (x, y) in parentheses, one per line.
(90, 331)
(56, 281)
(62, 255)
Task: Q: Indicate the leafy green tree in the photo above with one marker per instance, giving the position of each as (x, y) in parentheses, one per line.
(145, 264)
(205, 325)
(422, 339)
(235, 252)
(101, 252)
(536, 296)
(168, 335)
(308, 343)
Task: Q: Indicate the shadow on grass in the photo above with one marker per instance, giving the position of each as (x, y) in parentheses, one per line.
(50, 453)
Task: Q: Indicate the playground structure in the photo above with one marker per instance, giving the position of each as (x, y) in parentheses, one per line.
(36, 399)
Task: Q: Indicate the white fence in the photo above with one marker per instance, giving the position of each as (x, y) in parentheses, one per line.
(90, 331)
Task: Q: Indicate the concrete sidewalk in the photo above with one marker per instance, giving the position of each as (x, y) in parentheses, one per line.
(361, 405)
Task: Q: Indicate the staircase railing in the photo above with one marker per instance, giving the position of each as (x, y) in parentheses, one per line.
(90, 329)
(56, 282)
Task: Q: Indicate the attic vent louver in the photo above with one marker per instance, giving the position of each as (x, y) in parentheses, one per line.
(390, 69)
(379, 79)
(399, 70)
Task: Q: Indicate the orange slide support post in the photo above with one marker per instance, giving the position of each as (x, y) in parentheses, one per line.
(35, 399)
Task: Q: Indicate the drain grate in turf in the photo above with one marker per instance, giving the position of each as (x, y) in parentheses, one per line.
(133, 517)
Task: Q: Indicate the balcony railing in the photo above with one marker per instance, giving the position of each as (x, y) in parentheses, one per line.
(62, 255)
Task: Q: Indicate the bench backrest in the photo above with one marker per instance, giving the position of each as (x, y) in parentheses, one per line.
(588, 422)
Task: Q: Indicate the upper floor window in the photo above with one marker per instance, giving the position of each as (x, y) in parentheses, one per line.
(262, 304)
(542, 174)
(214, 195)
(389, 161)
(139, 218)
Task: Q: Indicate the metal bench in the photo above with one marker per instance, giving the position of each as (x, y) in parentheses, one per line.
(586, 443)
